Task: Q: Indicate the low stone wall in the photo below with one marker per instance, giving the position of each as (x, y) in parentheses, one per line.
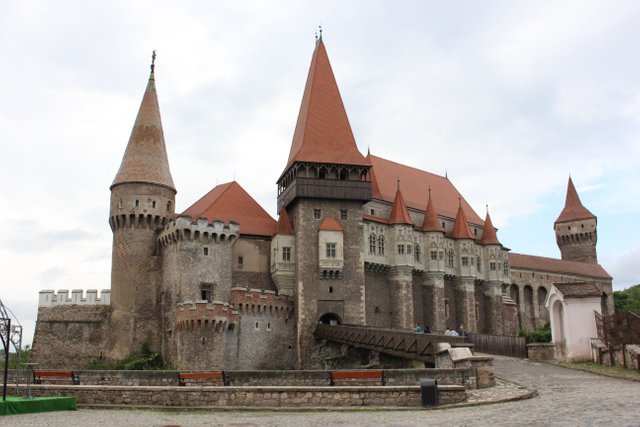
(541, 351)
(394, 377)
(249, 397)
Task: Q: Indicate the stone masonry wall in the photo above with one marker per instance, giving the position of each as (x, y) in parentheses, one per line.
(69, 336)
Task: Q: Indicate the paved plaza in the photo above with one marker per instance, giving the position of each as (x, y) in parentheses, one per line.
(565, 397)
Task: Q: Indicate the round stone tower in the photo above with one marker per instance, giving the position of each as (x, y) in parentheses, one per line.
(576, 229)
(142, 201)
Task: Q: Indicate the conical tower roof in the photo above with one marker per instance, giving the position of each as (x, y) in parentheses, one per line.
(461, 228)
(399, 213)
(145, 159)
(489, 236)
(431, 221)
(573, 208)
(284, 224)
(323, 133)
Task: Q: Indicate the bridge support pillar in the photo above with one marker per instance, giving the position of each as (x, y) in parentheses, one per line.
(493, 307)
(433, 301)
(466, 303)
(402, 290)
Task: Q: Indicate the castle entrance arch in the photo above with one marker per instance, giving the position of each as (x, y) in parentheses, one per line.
(330, 319)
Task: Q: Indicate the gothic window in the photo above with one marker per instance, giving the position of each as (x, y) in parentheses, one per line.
(465, 261)
(492, 266)
(440, 255)
(409, 250)
(450, 259)
(206, 292)
(506, 269)
(478, 264)
(417, 253)
(372, 244)
(400, 249)
(286, 254)
(434, 255)
(343, 214)
(317, 213)
(331, 250)
(381, 245)
(473, 260)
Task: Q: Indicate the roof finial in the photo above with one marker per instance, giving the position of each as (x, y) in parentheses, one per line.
(460, 201)
(368, 151)
(320, 31)
(446, 175)
(398, 180)
(153, 61)
(487, 208)
(429, 192)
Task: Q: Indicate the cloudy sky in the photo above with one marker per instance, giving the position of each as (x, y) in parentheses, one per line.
(508, 98)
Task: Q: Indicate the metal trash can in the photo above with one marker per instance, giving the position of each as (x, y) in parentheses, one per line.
(429, 392)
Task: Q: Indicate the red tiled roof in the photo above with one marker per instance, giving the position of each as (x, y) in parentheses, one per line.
(329, 223)
(323, 133)
(230, 202)
(489, 236)
(399, 214)
(461, 228)
(145, 159)
(415, 182)
(284, 224)
(431, 221)
(579, 289)
(573, 208)
(375, 218)
(554, 265)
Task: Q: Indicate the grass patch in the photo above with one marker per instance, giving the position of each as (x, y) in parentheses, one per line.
(612, 371)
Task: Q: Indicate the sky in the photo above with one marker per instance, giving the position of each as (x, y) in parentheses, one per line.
(507, 98)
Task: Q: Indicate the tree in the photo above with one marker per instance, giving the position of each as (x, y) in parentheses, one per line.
(627, 300)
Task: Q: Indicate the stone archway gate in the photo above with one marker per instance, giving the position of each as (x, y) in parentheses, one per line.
(395, 342)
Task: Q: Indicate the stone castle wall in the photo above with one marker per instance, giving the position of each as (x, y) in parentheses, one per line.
(69, 336)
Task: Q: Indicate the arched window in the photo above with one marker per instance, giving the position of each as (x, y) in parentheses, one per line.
(451, 258)
(372, 244)
(381, 245)
(417, 253)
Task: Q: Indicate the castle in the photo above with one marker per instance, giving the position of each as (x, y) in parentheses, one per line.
(359, 240)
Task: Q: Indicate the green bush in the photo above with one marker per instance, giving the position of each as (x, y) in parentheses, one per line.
(542, 334)
(627, 300)
(144, 359)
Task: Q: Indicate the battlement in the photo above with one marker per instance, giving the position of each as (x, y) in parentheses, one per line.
(256, 302)
(140, 220)
(185, 228)
(49, 297)
(216, 315)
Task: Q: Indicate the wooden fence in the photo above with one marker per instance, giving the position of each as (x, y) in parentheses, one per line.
(505, 345)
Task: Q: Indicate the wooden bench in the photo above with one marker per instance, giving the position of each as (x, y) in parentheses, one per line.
(357, 377)
(39, 377)
(202, 378)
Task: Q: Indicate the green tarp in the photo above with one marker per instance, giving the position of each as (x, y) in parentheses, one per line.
(18, 405)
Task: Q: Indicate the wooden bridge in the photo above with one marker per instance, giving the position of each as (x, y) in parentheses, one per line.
(395, 342)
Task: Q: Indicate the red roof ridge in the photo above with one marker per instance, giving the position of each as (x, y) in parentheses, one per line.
(323, 133)
(573, 208)
(431, 221)
(399, 213)
(489, 236)
(329, 223)
(284, 224)
(540, 263)
(461, 228)
(230, 202)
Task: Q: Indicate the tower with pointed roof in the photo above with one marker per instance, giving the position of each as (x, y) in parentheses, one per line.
(142, 199)
(576, 229)
(324, 184)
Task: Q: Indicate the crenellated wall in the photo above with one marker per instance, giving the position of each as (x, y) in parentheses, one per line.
(49, 297)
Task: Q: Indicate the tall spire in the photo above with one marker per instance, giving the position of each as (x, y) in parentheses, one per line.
(431, 221)
(489, 236)
(573, 208)
(323, 133)
(461, 228)
(399, 213)
(145, 159)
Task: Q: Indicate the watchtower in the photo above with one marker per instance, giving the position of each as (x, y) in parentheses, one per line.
(576, 229)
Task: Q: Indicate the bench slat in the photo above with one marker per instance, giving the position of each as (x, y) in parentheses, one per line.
(356, 374)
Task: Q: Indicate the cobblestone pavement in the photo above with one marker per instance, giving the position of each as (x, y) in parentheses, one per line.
(566, 398)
